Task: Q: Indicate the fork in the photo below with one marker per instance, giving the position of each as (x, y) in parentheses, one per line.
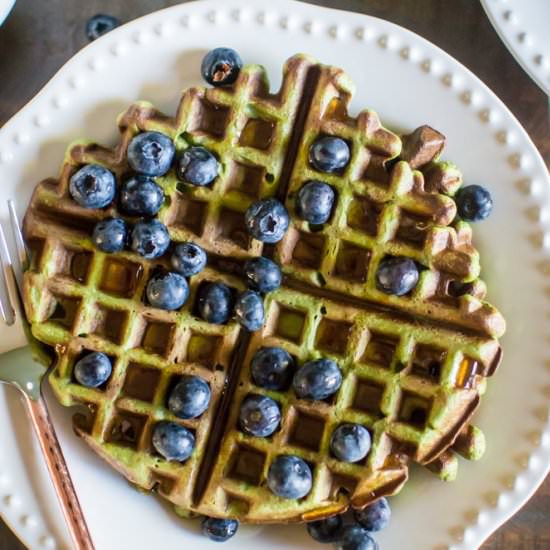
(25, 368)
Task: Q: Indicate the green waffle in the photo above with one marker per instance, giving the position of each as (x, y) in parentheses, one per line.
(414, 367)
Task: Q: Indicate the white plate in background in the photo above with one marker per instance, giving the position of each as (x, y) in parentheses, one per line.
(5, 8)
(523, 25)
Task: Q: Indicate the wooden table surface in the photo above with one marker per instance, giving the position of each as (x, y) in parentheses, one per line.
(39, 36)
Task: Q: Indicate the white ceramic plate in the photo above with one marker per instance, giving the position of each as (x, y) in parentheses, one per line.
(409, 82)
(5, 8)
(523, 27)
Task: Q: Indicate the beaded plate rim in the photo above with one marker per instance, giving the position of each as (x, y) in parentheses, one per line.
(509, 22)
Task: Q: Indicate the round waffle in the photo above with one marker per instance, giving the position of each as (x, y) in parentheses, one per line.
(414, 367)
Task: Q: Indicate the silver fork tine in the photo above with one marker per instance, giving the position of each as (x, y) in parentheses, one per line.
(6, 308)
(23, 259)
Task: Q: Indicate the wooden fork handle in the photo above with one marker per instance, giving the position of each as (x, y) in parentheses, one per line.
(59, 474)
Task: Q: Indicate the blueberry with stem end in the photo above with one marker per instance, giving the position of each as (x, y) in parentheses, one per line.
(100, 24)
(150, 239)
(151, 153)
(188, 259)
(267, 220)
(93, 186)
(221, 66)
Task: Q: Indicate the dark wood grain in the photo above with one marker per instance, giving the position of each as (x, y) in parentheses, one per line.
(40, 36)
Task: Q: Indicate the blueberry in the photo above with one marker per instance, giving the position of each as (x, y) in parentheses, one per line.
(110, 235)
(197, 166)
(215, 303)
(355, 537)
(289, 476)
(93, 370)
(396, 275)
(249, 310)
(262, 274)
(150, 239)
(474, 203)
(374, 517)
(260, 415)
(221, 66)
(317, 379)
(272, 368)
(329, 154)
(167, 291)
(93, 186)
(100, 24)
(267, 220)
(190, 397)
(314, 202)
(188, 259)
(219, 530)
(172, 441)
(151, 153)
(140, 196)
(350, 442)
(326, 530)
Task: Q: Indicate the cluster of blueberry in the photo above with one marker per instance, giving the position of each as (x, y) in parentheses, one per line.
(315, 200)
(356, 535)
(150, 155)
(216, 304)
(268, 220)
(273, 368)
(188, 399)
(315, 203)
